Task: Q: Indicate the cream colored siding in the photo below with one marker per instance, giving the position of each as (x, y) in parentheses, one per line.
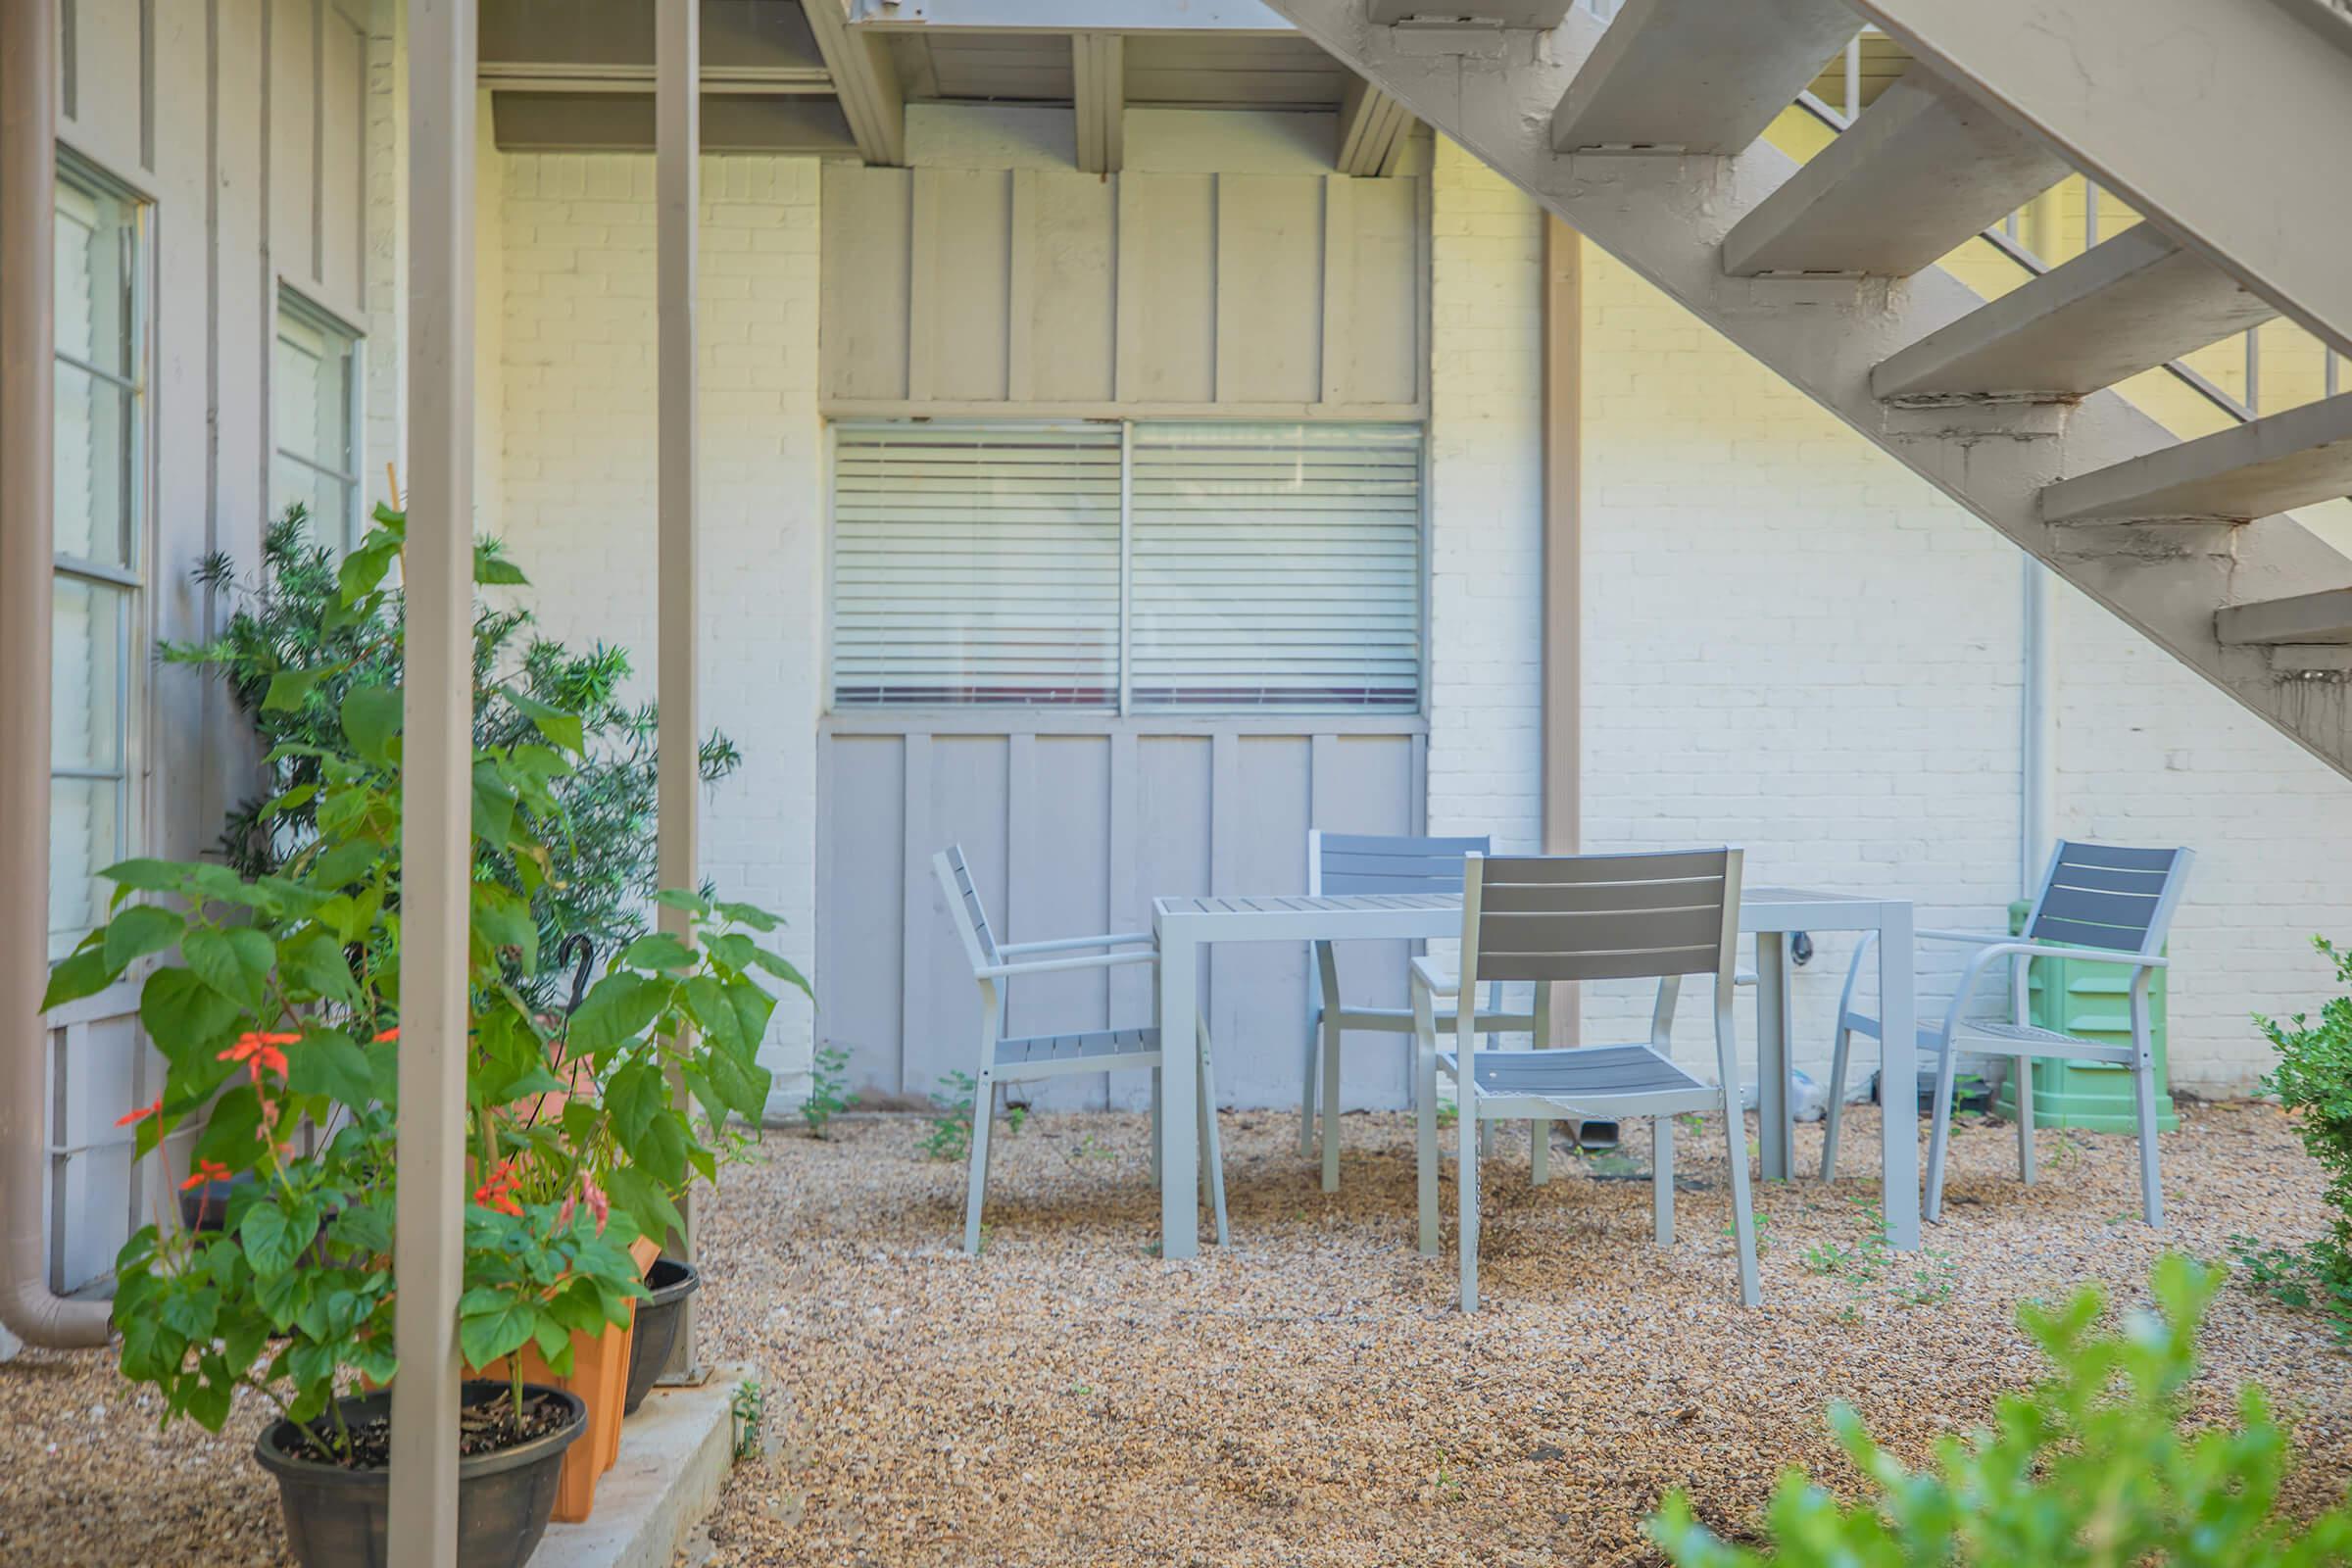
(1032, 291)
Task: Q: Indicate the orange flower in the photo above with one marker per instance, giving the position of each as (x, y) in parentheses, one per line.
(140, 1114)
(207, 1170)
(259, 1050)
(496, 1190)
(392, 1033)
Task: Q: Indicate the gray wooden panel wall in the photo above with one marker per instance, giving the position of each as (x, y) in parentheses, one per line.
(1071, 829)
(1042, 291)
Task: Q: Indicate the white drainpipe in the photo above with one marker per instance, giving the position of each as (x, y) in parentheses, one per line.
(27, 541)
(2034, 718)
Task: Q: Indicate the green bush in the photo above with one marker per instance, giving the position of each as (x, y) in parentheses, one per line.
(2314, 1079)
(2090, 1467)
(294, 615)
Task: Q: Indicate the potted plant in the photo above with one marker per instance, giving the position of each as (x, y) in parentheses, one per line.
(278, 1022)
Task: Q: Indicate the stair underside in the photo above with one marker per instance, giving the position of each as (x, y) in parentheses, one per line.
(1668, 217)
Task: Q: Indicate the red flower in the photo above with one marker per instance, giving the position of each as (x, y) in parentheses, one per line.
(496, 1190)
(207, 1170)
(392, 1033)
(259, 1050)
(140, 1114)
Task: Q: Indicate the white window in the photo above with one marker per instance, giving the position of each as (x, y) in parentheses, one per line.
(314, 387)
(1145, 567)
(101, 513)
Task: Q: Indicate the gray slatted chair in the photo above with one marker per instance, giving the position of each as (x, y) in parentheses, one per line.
(1588, 917)
(1359, 862)
(2094, 896)
(1008, 1059)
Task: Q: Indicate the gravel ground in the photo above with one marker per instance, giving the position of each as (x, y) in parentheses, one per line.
(1309, 1396)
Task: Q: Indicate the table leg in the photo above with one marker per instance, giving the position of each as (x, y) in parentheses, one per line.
(1179, 1087)
(1898, 1081)
(1774, 1134)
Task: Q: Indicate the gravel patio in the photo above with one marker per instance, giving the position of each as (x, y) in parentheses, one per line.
(1309, 1396)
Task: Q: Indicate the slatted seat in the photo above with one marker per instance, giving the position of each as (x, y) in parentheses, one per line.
(1573, 917)
(1009, 1058)
(2114, 901)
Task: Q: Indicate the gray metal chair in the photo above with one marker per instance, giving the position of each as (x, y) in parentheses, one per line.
(1008, 1059)
(2094, 896)
(1587, 918)
(1361, 863)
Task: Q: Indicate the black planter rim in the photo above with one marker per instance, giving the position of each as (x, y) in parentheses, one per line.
(677, 1289)
(273, 1449)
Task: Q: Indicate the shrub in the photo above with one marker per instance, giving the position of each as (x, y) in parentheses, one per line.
(294, 615)
(2314, 1079)
(2091, 1466)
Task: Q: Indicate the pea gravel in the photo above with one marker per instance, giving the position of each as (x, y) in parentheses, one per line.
(1310, 1396)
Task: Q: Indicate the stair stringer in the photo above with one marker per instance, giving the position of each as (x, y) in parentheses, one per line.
(1665, 215)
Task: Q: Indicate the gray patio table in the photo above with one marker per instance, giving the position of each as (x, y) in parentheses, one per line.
(1185, 926)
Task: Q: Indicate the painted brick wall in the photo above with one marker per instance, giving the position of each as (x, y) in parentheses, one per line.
(577, 321)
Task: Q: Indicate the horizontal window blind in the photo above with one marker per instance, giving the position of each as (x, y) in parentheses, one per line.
(1277, 567)
(975, 566)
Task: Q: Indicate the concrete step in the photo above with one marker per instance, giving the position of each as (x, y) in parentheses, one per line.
(1541, 15)
(1697, 76)
(2125, 305)
(2256, 469)
(1920, 171)
(2324, 616)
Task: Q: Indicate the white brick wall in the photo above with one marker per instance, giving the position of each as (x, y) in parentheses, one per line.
(578, 320)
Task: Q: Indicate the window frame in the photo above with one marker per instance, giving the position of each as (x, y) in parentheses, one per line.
(1125, 709)
(134, 635)
(305, 310)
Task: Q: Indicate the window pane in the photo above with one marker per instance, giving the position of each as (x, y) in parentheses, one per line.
(85, 819)
(1277, 566)
(85, 709)
(313, 394)
(94, 277)
(329, 501)
(976, 566)
(95, 468)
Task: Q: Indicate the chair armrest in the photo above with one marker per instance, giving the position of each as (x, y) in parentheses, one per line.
(1744, 977)
(1985, 938)
(1100, 960)
(1439, 980)
(1128, 939)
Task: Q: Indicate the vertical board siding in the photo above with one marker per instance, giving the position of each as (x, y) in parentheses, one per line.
(972, 290)
(1072, 833)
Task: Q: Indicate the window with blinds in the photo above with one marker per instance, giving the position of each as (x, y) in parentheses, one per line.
(1147, 567)
(314, 391)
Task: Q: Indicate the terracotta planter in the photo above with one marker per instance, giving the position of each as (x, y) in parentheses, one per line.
(656, 1327)
(338, 1518)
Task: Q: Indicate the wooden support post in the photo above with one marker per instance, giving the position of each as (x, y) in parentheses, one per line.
(437, 770)
(677, 208)
(1563, 580)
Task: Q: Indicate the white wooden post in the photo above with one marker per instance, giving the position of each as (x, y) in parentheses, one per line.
(677, 210)
(437, 769)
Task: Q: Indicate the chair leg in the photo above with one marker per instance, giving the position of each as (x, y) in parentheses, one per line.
(1939, 1130)
(1425, 1121)
(2143, 1096)
(1307, 1068)
(1661, 1178)
(2025, 1120)
(1466, 1143)
(983, 1113)
(1743, 1217)
(1829, 1134)
(1213, 1150)
(1330, 1099)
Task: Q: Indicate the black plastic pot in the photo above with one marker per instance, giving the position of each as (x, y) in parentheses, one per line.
(204, 1207)
(671, 1282)
(335, 1518)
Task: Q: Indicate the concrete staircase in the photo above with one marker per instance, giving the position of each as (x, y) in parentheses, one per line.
(1642, 133)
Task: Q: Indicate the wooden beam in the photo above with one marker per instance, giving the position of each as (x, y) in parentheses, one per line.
(1099, 70)
(1373, 129)
(677, 210)
(1563, 566)
(437, 772)
(867, 81)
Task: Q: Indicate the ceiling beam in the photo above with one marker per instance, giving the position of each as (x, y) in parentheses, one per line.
(579, 78)
(1065, 15)
(1373, 127)
(865, 79)
(1099, 68)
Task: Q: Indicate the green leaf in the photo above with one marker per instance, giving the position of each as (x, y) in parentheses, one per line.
(288, 689)
(341, 864)
(187, 1019)
(502, 919)
(271, 1240)
(314, 961)
(231, 1138)
(139, 930)
(618, 1009)
(79, 975)
(372, 717)
(750, 914)
(493, 805)
(493, 570)
(363, 570)
(782, 969)
(741, 1084)
(147, 876)
(560, 727)
(634, 1100)
(680, 899)
(657, 950)
(644, 1201)
(708, 1006)
(753, 1006)
(326, 1061)
(492, 1325)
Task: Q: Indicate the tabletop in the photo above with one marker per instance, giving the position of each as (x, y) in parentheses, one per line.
(1272, 916)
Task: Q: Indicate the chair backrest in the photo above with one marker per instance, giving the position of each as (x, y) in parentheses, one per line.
(1366, 862)
(2106, 895)
(963, 906)
(1601, 916)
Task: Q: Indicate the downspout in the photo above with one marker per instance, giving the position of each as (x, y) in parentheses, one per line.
(2034, 716)
(29, 64)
